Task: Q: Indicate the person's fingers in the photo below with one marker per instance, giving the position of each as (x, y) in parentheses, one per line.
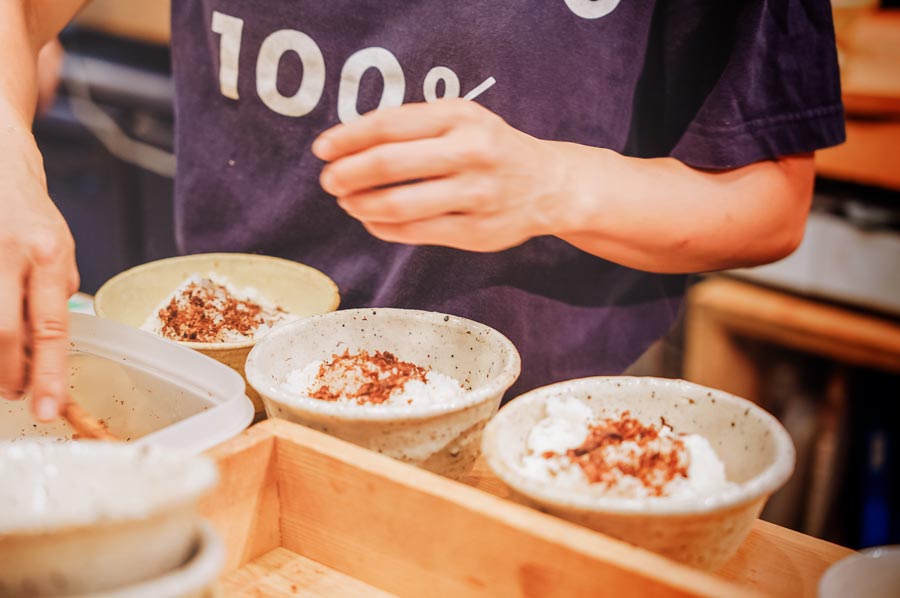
(12, 333)
(461, 231)
(74, 284)
(443, 230)
(415, 201)
(390, 125)
(48, 317)
(393, 163)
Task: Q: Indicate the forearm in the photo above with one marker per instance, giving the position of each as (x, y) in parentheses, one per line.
(25, 26)
(37, 254)
(18, 76)
(452, 173)
(664, 216)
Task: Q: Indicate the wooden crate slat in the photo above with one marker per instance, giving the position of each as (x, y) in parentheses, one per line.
(774, 560)
(245, 509)
(283, 574)
(782, 562)
(408, 531)
(299, 508)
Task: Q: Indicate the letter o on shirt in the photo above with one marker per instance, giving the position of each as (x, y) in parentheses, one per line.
(592, 9)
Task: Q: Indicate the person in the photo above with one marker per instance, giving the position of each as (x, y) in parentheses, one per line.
(551, 168)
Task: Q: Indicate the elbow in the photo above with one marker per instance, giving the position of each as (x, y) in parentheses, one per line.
(786, 242)
(785, 235)
(772, 246)
(786, 230)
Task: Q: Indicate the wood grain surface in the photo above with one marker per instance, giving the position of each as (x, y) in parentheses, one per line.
(303, 513)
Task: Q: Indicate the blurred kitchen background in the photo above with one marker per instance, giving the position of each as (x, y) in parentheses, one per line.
(815, 339)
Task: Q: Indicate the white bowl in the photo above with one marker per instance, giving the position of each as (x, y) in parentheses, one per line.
(147, 389)
(444, 438)
(194, 578)
(872, 573)
(83, 517)
(756, 450)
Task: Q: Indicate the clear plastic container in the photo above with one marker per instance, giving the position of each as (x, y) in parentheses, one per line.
(146, 389)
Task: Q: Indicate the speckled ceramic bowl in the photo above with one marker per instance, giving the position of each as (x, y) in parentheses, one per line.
(757, 452)
(444, 438)
(130, 297)
(872, 573)
(196, 578)
(81, 518)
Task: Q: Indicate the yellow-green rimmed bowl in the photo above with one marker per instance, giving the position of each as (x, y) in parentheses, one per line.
(130, 297)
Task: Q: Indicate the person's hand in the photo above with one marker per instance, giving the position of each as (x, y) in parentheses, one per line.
(37, 276)
(448, 173)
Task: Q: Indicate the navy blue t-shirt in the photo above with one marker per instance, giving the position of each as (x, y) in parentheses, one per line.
(715, 84)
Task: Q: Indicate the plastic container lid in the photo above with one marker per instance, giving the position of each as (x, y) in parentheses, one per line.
(146, 389)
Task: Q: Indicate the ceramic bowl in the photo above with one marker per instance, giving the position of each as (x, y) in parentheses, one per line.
(755, 448)
(873, 573)
(83, 517)
(193, 579)
(444, 438)
(130, 297)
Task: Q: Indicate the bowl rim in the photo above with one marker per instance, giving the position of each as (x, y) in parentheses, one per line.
(198, 572)
(203, 478)
(508, 371)
(763, 484)
(832, 575)
(137, 270)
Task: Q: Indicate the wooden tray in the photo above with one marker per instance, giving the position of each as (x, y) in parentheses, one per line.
(303, 513)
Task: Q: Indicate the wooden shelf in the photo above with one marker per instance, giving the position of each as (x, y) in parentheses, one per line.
(870, 78)
(723, 313)
(869, 157)
(870, 65)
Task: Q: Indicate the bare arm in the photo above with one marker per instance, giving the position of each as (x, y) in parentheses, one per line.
(452, 173)
(664, 216)
(37, 263)
(25, 27)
